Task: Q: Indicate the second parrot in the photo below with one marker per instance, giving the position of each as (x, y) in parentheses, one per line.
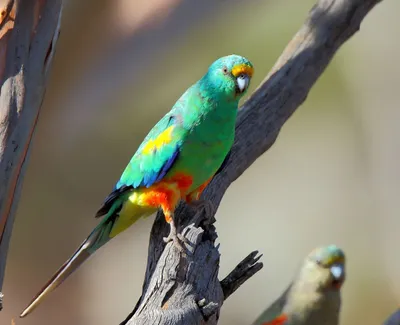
(313, 298)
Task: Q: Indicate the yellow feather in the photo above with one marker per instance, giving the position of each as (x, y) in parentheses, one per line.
(133, 209)
(242, 68)
(164, 137)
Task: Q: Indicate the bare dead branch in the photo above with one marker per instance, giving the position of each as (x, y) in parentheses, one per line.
(244, 271)
(28, 33)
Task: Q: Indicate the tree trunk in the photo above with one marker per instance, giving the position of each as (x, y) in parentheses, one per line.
(29, 31)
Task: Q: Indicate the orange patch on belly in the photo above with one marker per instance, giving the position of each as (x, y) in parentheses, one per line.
(161, 195)
(182, 181)
(167, 193)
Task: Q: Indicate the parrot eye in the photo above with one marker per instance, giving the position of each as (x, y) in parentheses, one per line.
(225, 70)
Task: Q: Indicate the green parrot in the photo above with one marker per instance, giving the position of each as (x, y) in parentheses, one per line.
(313, 297)
(393, 319)
(176, 161)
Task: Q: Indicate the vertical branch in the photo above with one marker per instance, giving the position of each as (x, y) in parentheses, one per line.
(28, 34)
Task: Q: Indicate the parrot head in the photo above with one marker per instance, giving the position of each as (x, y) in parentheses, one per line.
(326, 265)
(315, 293)
(313, 297)
(230, 76)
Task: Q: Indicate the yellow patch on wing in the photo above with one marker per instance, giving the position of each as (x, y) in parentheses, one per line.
(242, 68)
(163, 138)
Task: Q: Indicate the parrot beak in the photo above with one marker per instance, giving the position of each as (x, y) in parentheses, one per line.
(242, 82)
(338, 274)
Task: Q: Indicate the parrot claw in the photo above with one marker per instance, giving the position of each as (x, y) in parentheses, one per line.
(206, 205)
(175, 237)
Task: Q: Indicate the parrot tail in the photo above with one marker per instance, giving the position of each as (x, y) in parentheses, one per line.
(98, 237)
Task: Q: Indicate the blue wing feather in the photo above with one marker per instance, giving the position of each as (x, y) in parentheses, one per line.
(167, 165)
(136, 174)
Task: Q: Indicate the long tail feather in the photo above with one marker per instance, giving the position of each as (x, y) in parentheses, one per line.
(95, 240)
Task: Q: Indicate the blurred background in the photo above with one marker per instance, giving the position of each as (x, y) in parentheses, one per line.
(332, 176)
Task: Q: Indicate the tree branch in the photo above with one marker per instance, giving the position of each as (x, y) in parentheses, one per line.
(244, 271)
(184, 288)
(28, 35)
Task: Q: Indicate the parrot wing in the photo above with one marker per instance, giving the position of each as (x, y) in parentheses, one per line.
(151, 162)
(273, 315)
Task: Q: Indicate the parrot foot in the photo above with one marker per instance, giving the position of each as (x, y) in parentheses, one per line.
(206, 205)
(175, 237)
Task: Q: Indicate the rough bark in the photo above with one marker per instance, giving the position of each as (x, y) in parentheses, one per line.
(28, 34)
(183, 288)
